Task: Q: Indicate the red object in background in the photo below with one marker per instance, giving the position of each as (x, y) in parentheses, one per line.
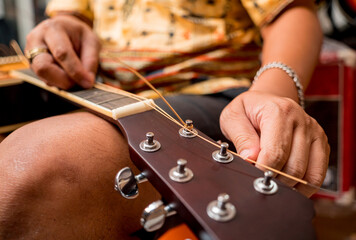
(331, 100)
(352, 4)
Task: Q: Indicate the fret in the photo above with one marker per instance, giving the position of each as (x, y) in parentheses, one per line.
(98, 96)
(107, 98)
(119, 103)
(86, 94)
(103, 98)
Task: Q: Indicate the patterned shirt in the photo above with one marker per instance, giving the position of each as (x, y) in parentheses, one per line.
(180, 46)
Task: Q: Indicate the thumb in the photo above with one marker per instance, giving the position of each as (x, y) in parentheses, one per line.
(236, 126)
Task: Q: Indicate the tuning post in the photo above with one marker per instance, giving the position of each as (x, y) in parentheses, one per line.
(222, 155)
(181, 173)
(188, 131)
(150, 144)
(154, 215)
(266, 185)
(127, 183)
(221, 210)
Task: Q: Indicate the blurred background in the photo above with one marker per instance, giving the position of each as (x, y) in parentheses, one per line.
(18, 17)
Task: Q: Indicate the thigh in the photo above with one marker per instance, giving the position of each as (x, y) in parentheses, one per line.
(57, 179)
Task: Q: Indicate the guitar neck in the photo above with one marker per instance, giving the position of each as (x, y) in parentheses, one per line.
(102, 99)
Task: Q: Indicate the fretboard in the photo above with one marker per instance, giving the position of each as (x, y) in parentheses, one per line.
(103, 99)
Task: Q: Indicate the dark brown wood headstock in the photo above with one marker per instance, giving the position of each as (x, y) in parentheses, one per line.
(284, 215)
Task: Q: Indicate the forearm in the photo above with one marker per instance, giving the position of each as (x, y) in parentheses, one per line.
(294, 39)
(75, 14)
(80, 9)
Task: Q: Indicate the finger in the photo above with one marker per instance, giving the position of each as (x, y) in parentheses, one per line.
(43, 64)
(34, 40)
(277, 129)
(64, 54)
(45, 67)
(299, 155)
(89, 54)
(317, 165)
(238, 129)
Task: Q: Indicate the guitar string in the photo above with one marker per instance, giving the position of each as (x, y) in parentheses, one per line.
(182, 124)
(165, 114)
(147, 83)
(234, 153)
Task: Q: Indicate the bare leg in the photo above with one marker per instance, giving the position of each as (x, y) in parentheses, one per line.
(57, 181)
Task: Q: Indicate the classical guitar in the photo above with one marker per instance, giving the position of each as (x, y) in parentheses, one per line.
(217, 193)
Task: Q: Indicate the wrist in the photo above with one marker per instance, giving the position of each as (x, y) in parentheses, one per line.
(279, 79)
(73, 14)
(269, 81)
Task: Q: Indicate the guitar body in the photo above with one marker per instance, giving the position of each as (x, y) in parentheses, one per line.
(283, 215)
(17, 101)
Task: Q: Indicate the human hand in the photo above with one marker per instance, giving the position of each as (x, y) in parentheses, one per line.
(276, 132)
(73, 52)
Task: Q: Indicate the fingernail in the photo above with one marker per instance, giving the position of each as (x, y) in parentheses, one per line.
(245, 153)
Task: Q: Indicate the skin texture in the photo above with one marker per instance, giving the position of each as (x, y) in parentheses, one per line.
(58, 172)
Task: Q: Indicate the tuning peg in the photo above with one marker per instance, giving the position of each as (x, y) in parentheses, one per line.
(154, 215)
(150, 145)
(181, 173)
(127, 183)
(221, 210)
(188, 131)
(222, 155)
(265, 184)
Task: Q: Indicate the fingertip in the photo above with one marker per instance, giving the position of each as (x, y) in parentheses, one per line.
(91, 77)
(88, 80)
(85, 83)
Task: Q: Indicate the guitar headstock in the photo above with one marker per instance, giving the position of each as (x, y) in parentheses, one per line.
(284, 214)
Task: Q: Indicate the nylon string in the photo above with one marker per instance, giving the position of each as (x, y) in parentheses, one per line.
(182, 124)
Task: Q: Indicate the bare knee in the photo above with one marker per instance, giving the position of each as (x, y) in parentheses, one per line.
(60, 171)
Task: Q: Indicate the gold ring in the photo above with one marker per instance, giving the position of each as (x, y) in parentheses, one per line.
(32, 53)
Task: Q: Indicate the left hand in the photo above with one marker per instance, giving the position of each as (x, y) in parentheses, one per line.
(276, 131)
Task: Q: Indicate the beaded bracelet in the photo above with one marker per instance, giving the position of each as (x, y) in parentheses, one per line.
(290, 73)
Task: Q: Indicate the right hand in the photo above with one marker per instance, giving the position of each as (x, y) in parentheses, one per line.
(73, 52)
(275, 131)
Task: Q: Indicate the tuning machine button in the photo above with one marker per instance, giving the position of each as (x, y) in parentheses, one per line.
(150, 145)
(221, 210)
(127, 183)
(181, 173)
(188, 131)
(154, 215)
(222, 155)
(266, 185)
